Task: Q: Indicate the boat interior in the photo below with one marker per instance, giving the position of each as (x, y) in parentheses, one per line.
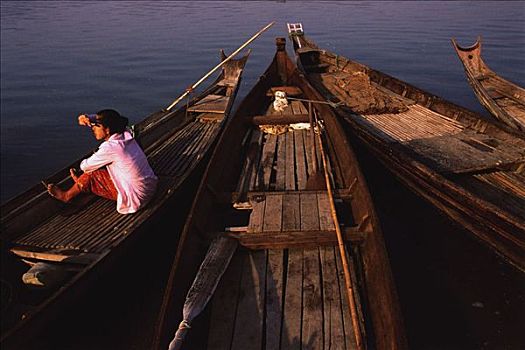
(284, 288)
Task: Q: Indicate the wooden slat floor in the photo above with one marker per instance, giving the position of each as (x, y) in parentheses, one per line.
(291, 298)
(96, 227)
(282, 299)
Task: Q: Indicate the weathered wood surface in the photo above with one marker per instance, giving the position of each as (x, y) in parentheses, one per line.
(504, 99)
(210, 104)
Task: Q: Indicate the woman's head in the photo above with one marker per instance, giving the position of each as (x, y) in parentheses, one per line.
(112, 121)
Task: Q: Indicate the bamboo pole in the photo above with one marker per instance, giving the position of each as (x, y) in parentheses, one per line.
(342, 250)
(219, 65)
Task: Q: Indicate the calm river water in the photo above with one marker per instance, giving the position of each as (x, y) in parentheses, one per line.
(62, 58)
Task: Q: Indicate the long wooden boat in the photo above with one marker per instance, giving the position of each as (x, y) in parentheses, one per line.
(470, 168)
(503, 99)
(83, 239)
(284, 285)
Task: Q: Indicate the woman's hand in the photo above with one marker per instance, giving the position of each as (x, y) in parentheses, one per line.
(83, 119)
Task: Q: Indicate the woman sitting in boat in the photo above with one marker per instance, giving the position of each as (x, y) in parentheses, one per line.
(118, 170)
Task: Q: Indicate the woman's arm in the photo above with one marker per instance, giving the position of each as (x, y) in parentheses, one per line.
(103, 156)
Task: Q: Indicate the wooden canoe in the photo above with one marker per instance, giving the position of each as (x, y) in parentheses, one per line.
(503, 99)
(470, 168)
(83, 239)
(284, 286)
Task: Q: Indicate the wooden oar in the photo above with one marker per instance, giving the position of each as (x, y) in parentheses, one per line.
(341, 244)
(220, 65)
(210, 272)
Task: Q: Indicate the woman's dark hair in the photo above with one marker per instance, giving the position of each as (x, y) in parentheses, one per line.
(112, 120)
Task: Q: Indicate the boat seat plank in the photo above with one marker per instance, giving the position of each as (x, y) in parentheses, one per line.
(300, 160)
(312, 322)
(291, 333)
(223, 304)
(309, 212)
(333, 312)
(55, 255)
(249, 321)
(289, 90)
(273, 213)
(274, 297)
(295, 239)
(211, 104)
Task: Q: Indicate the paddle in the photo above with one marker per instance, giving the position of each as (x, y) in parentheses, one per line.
(219, 65)
(210, 272)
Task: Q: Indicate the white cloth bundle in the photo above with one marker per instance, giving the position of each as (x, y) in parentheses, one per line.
(280, 102)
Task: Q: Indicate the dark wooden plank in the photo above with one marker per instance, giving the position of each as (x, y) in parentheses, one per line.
(211, 103)
(274, 294)
(224, 304)
(347, 317)
(257, 216)
(326, 221)
(248, 332)
(300, 159)
(309, 212)
(291, 333)
(273, 213)
(280, 119)
(280, 174)
(334, 335)
(291, 212)
(290, 162)
(266, 164)
(312, 323)
(288, 239)
(290, 90)
(296, 108)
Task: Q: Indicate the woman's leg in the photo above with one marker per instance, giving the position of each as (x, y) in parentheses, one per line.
(97, 182)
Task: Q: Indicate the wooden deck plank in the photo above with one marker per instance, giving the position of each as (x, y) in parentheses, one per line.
(274, 294)
(224, 305)
(300, 159)
(326, 221)
(256, 221)
(312, 323)
(309, 212)
(291, 212)
(273, 213)
(334, 335)
(347, 318)
(211, 104)
(309, 152)
(296, 108)
(280, 174)
(290, 162)
(266, 164)
(248, 332)
(291, 333)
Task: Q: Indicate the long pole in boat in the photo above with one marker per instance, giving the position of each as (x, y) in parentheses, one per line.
(342, 250)
(220, 65)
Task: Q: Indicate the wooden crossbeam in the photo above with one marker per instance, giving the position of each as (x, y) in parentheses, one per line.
(279, 119)
(294, 239)
(65, 256)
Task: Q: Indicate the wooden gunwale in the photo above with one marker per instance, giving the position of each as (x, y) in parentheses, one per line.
(488, 220)
(207, 219)
(126, 231)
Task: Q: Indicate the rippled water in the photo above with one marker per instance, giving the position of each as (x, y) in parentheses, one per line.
(62, 58)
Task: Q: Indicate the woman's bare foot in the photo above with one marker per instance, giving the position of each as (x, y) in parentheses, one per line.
(73, 175)
(64, 196)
